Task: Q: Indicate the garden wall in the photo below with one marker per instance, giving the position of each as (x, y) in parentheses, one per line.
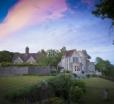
(17, 70)
(39, 70)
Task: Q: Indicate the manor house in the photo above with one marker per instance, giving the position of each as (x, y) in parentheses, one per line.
(77, 62)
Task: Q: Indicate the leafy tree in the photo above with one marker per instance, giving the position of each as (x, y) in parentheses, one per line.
(98, 60)
(52, 52)
(42, 58)
(105, 9)
(6, 56)
(63, 49)
(104, 66)
(49, 57)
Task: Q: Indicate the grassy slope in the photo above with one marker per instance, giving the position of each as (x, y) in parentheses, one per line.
(95, 87)
(17, 83)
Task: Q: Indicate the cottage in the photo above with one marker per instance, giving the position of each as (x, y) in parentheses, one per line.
(28, 58)
(77, 62)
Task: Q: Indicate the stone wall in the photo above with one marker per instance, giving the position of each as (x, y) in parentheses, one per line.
(39, 70)
(14, 70)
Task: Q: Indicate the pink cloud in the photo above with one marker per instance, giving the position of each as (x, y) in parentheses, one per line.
(30, 12)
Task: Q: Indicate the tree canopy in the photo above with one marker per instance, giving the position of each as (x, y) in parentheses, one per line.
(6, 56)
(50, 57)
(104, 66)
(105, 9)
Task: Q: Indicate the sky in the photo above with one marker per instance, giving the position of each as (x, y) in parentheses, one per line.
(52, 24)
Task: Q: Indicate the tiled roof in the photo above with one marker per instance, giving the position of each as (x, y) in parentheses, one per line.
(69, 53)
(25, 56)
(85, 53)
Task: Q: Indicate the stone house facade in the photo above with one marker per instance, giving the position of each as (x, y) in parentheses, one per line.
(77, 62)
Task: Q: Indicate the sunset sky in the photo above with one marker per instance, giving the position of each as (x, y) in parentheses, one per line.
(52, 24)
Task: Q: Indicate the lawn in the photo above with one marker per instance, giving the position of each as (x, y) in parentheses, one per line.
(17, 83)
(94, 93)
(94, 87)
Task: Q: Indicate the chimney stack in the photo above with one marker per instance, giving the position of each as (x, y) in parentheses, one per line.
(27, 50)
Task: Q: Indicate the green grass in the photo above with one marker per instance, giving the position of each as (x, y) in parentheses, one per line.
(94, 93)
(10, 84)
(13, 84)
(94, 87)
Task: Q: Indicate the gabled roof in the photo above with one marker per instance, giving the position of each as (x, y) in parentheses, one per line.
(69, 53)
(85, 53)
(25, 56)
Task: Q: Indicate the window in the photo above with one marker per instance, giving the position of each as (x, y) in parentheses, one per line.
(75, 59)
(77, 68)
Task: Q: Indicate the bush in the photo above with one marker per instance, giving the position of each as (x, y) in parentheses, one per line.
(56, 100)
(75, 75)
(66, 71)
(80, 84)
(63, 86)
(5, 64)
(88, 76)
(53, 72)
(60, 88)
(76, 93)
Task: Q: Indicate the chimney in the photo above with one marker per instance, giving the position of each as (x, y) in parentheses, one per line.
(27, 50)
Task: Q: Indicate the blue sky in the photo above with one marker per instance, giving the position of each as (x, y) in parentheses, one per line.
(66, 23)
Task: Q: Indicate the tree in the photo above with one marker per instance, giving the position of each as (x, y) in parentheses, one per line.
(42, 58)
(98, 60)
(105, 9)
(6, 56)
(50, 57)
(63, 49)
(52, 52)
(104, 66)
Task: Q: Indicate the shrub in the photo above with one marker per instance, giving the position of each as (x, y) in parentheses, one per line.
(75, 75)
(56, 100)
(66, 71)
(5, 64)
(54, 72)
(76, 93)
(88, 76)
(63, 86)
(60, 88)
